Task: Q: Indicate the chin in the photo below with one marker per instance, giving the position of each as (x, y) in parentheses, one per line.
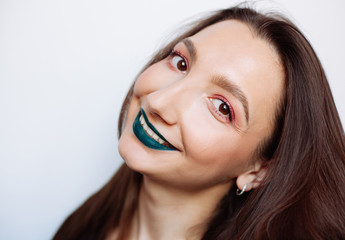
(132, 153)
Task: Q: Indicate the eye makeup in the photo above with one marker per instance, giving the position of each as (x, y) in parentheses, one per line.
(178, 61)
(221, 108)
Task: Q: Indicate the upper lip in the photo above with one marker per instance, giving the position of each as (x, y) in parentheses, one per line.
(154, 129)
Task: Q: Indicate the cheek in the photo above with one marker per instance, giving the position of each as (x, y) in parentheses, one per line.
(126, 138)
(221, 152)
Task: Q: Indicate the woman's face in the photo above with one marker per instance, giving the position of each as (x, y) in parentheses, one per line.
(213, 100)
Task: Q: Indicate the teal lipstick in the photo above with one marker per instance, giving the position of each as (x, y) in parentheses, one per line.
(148, 134)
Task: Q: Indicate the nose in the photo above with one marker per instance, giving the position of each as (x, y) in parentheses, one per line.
(170, 102)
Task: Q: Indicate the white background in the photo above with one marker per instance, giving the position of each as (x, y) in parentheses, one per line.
(65, 66)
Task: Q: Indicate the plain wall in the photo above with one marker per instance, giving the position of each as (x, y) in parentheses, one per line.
(65, 67)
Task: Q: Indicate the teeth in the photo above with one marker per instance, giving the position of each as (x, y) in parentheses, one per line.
(149, 131)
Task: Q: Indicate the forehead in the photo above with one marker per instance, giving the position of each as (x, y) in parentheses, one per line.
(233, 49)
(234, 36)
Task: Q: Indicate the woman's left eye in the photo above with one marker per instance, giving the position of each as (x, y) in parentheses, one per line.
(179, 62)
(222, 108)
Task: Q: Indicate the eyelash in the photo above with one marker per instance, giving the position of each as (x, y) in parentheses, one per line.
(231, 113)
(174, 54)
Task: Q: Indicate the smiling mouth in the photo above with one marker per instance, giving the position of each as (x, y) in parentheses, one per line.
(148, 134)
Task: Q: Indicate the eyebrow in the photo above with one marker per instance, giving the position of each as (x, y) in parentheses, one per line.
(191, 49)
(219, 80)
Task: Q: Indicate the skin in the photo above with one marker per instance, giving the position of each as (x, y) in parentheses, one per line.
(213, 152)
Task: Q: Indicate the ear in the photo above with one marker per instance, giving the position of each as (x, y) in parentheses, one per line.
(252, 177)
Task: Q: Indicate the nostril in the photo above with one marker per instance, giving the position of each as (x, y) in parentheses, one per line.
(155, 115)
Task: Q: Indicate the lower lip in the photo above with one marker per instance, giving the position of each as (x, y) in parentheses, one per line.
(143, 137)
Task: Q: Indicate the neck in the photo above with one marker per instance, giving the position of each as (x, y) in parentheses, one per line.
(168, 213)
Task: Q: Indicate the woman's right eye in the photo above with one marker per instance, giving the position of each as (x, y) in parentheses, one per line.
(179, 62)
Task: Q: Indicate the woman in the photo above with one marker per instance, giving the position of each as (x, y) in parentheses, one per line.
(229, 132)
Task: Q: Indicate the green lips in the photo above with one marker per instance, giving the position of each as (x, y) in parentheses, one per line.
(141, 134)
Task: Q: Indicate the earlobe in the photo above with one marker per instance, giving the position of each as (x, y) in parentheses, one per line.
(251, 179)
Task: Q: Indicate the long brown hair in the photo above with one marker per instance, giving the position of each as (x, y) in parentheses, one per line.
(303, 193)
